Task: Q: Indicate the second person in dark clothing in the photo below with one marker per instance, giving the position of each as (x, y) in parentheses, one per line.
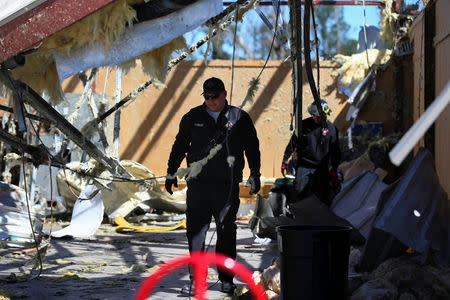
(222, 133)
(318, 156)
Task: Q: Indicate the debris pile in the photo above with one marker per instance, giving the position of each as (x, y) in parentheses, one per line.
(270, 280)
(355, 68)
(17, 227)
(400, 238)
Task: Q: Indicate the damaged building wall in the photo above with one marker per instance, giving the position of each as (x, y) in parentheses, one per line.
(390, 102)
(435, 16)
(442, 49)
(150, 123)
(416, 36)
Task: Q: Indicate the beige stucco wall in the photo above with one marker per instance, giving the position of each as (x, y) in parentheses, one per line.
(149, 123)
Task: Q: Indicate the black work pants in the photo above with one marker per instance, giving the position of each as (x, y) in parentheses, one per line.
(313, 181)
(218, 200)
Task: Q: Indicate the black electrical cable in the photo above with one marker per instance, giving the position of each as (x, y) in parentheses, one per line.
(227, 206)
(114, 178)
(308, 68)
(316, 39)
(38, 253)
(271, 44)
(49, 158)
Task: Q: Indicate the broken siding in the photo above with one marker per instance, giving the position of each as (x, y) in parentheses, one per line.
(442, 49)
(442, 129)
(416, 36)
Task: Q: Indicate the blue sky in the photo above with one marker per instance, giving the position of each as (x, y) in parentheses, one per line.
(353, 14)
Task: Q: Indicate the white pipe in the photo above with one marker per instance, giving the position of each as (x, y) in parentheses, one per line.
(415, 133)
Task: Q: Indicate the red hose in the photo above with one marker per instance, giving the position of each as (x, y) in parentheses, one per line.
(200, 262)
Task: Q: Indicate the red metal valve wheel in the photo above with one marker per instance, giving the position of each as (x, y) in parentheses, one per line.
(200, 262)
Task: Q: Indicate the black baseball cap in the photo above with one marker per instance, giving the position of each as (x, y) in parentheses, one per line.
(213, 85)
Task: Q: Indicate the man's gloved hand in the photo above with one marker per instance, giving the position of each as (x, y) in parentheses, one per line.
(255, 182)
(284, 165)
(336, 179)
(169, 183)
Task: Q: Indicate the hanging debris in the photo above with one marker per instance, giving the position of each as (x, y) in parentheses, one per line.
(354, 69)
(155, 63)
(103, 27)
(394, 26)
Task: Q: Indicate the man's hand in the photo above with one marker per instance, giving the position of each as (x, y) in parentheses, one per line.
(169, 183)
(255, 182)
(336, 179)
(284, 167)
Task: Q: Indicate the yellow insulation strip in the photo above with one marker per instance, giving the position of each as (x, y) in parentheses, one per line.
(123, 226)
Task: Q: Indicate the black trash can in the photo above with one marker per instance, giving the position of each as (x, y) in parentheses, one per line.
(314, 261)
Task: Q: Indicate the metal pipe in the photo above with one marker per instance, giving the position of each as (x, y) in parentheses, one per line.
(117, 96)
(308, 67)
(38, 154)
(44, 108)
(33, 117)
(415, 133)
(296, 58)
(318, 2)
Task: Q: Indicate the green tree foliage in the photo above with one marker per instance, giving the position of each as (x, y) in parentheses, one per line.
(332, 30)
(254, 37)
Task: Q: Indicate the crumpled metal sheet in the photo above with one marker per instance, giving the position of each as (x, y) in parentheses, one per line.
(138, 39)
(360, 94)
(15, 228)
(413, 211)
(410, 214)
(357, 202)
(12, 195)
(87, 215)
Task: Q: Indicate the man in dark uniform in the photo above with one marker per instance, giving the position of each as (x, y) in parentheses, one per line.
(215, 190)
(318, 156)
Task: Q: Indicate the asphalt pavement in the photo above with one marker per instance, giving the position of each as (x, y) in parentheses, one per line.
(112, 266)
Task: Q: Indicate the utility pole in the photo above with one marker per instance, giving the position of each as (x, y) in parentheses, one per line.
(296, 59)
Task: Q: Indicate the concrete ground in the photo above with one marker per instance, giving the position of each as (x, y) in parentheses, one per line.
(113, 265)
